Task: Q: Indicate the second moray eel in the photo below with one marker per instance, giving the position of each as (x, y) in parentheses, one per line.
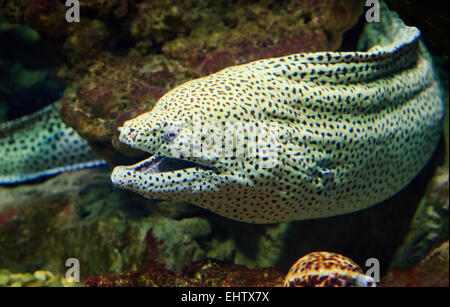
(39, 145)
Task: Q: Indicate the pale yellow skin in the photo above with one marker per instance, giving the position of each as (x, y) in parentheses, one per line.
(39, 145)
(354, 129)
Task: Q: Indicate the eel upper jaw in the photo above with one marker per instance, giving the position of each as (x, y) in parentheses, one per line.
(164, 164)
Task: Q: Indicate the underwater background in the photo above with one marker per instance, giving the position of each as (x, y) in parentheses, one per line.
(114, 65)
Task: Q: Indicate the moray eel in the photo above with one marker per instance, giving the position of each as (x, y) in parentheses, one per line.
(352, 129)
(40, 144)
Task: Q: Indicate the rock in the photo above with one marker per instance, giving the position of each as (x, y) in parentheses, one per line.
(208, 273)
(432, 271)
(255, 31)
(79, 215)
(4, 279)
(429, 224)
(247, 244)
(37, 279)
(114, 91)
(55, 282)
(42, 275)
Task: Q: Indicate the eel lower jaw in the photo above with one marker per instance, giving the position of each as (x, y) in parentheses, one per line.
(160, 174)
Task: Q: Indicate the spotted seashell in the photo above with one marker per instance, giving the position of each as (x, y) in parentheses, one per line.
(324, 269)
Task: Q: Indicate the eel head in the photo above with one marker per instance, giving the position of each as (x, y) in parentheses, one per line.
(206, 160)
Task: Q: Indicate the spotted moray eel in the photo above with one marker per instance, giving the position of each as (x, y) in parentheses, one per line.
(41, 144)
(353, 129)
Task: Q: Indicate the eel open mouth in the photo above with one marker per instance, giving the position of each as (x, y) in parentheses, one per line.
(161, 174)
(163, 164)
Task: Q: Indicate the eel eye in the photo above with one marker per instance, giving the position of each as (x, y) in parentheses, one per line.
(171, 133)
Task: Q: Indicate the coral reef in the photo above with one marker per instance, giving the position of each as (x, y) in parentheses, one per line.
(207, 273)
(429, 224)
(77, 215)
(116, 64)
(432, 271)
(36, 279)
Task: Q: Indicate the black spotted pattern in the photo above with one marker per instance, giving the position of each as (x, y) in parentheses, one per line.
(41, 144)
(355, 128)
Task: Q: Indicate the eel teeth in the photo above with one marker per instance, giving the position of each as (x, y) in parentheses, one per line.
(149, 165)
(162, 164)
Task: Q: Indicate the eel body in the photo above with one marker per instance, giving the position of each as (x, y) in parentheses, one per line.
(39, 145)
(350, 129)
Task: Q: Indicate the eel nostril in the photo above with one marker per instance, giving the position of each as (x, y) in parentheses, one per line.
(132, 134)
